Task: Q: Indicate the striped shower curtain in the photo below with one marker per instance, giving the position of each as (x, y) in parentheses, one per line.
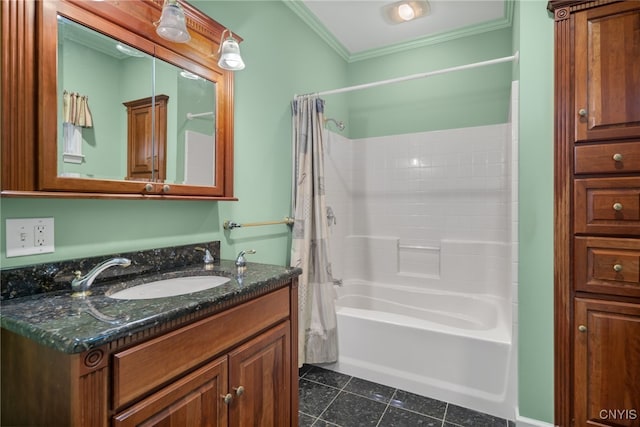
(317, 332)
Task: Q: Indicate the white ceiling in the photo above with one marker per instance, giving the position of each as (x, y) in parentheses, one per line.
(359, 25)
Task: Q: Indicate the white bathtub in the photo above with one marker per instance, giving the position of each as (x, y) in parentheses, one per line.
(448, 346)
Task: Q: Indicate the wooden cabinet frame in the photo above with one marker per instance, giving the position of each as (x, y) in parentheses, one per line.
(566, 133)
(29, 118)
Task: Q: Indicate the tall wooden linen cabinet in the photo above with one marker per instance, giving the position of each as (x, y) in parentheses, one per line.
(597, 213)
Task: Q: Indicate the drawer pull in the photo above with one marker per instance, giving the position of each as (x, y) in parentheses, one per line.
(582, 328)
(617, 207)
(166, 188)
(148, 187)
(582, 112)
(617, 157)
(227, 398)
(617, 268)
(239, 390)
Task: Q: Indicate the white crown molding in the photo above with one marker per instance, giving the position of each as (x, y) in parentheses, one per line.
(303, 12)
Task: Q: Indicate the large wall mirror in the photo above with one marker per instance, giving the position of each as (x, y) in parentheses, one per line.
(122, 111)
(108, 127)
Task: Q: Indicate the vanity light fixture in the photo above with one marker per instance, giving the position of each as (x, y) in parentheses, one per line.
(229, 53)
(172, 25)
(406, 10)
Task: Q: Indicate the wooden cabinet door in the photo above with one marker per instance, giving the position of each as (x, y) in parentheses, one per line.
(195, 400)
(259, 379)
(147, 139)
(607, 372)
(607, 72)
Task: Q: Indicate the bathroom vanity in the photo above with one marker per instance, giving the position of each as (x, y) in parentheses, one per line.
(223, 356)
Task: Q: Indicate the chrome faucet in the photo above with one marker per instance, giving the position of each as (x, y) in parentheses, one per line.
(241, 262)
(80, 285)
(208, 258)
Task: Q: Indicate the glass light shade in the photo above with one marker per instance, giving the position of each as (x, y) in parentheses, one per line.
(230, 58)
(172, 25)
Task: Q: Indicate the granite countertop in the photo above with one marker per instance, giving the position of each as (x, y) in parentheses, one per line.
(73, 325)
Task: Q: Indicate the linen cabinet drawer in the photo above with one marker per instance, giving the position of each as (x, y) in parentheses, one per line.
(607, 205)
(147, 366)
(607, 265)
(608, 158)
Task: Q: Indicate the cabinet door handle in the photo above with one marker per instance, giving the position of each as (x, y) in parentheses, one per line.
(617, 207)
(582, 112)
(617, 268)
(227, 398)
(239, 390)
(582, 328)
(617, 157)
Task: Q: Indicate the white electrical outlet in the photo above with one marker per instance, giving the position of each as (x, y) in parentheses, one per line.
(29, 236)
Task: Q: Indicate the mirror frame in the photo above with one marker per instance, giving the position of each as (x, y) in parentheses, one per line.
(133, 23)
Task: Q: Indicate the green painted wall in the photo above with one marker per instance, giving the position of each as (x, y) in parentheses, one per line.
(464, 98)
(284, 57)
(535, 291)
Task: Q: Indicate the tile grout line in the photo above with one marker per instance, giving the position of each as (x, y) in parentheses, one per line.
(332, 400)
(444, 416)
(386, 407)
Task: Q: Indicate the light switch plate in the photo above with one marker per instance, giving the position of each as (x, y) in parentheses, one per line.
(29, 236)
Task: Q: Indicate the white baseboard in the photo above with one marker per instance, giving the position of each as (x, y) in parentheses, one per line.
(529, 422)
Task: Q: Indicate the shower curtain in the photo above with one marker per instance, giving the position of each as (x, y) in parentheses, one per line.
(317, 333)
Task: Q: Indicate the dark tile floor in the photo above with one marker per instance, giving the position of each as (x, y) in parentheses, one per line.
(330, 398)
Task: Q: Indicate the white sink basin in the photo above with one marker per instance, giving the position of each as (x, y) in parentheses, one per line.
(170, 287)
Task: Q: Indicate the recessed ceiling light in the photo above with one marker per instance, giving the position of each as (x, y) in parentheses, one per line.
(406, 10)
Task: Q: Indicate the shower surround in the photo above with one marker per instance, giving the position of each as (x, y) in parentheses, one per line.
(425, 242)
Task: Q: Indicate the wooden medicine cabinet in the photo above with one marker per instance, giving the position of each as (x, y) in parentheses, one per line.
(108, 55)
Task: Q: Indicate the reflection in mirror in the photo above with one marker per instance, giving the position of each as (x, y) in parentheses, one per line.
(106, 73)
(190, 125)
(100, 82)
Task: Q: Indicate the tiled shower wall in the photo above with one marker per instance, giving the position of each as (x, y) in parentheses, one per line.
(435, 191)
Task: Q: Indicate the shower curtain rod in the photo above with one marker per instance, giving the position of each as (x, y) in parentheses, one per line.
(514, 57)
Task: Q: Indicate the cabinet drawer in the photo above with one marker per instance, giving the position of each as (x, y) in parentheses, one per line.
(142, 368)
(607, 265)
(608, 158)
(607, 205)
